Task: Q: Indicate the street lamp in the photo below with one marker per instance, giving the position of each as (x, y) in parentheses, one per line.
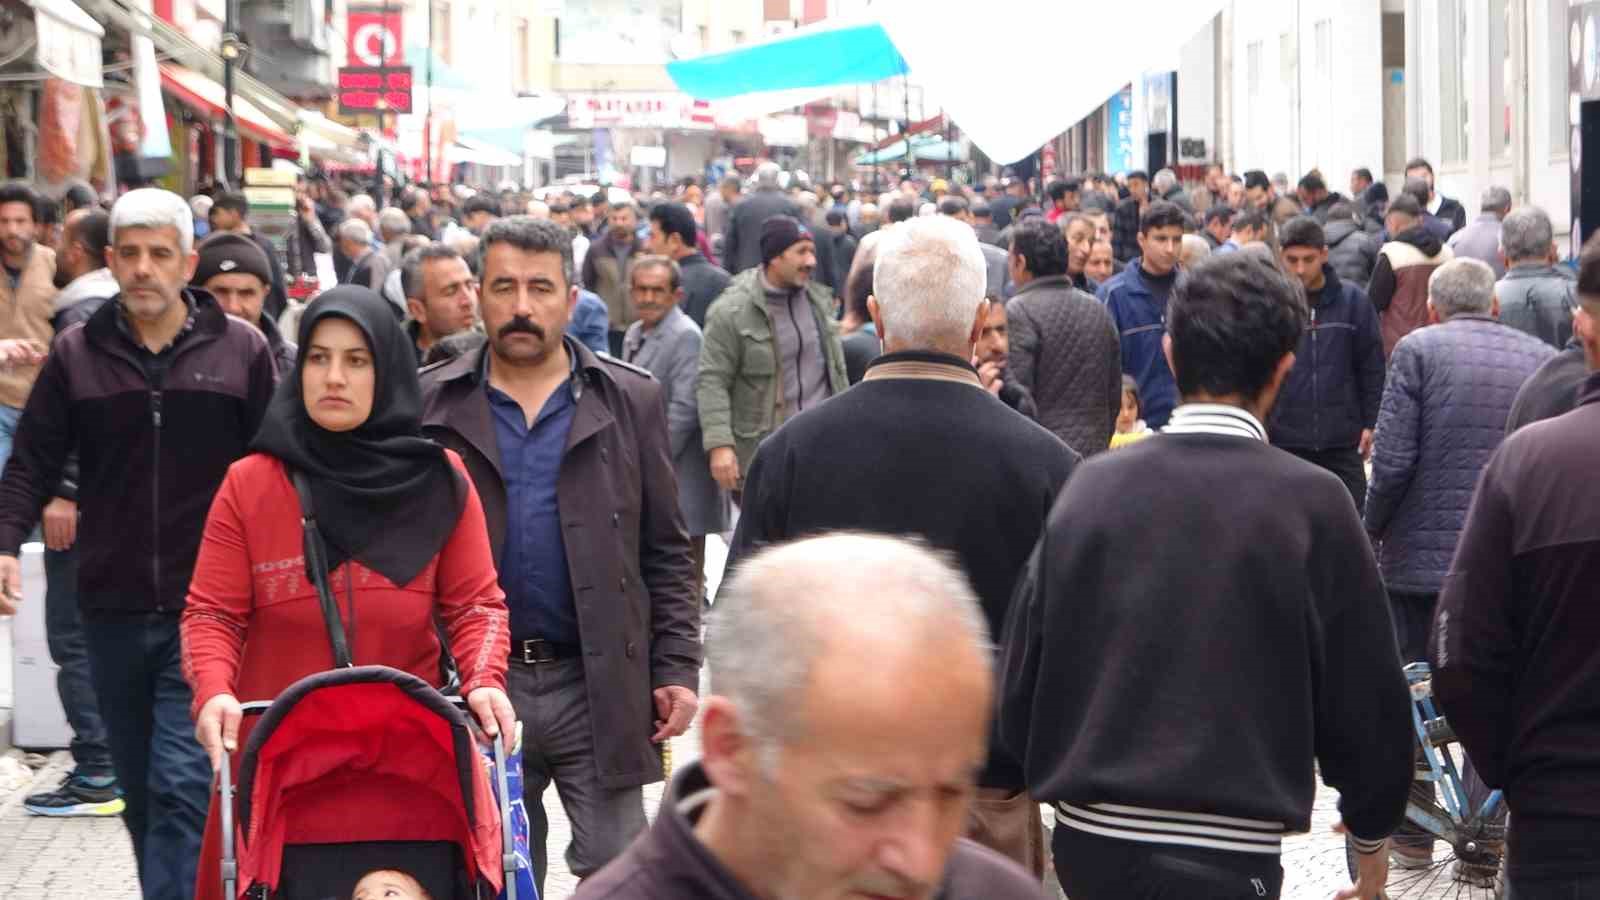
(233, 52)
(381, 106)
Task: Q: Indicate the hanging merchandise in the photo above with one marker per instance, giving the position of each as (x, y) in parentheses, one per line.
(60, 114)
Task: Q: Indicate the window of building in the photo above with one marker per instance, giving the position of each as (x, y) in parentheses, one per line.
(1502, 80)
(1560, 63)
(1453, 89)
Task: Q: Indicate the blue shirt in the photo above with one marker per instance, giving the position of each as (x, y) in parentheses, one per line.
(533, 568)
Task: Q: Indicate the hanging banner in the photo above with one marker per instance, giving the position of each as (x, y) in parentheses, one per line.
(1119, 131)
(374, 37)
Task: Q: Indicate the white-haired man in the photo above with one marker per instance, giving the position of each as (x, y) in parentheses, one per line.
(839, 747)
(996, 471)
(368, 267)
(150, 458)
(741, 247)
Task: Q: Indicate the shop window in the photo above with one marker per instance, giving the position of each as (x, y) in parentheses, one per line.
(1454, 122)
(1502, 80)
(1557, 53)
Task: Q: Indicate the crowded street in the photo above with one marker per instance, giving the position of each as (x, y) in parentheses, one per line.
(765, 450)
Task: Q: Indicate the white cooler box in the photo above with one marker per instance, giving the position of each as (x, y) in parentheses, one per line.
(38, 722)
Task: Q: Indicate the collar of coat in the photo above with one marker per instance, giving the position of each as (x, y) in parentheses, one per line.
(923, 365)
(474, 366)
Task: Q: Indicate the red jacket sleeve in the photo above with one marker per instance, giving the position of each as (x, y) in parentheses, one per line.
(469, 600)
(220, 599)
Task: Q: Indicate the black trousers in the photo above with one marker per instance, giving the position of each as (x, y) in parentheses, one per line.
(1347, 464)
(1091, 867)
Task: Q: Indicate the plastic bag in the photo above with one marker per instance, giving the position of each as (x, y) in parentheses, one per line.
(519, 815)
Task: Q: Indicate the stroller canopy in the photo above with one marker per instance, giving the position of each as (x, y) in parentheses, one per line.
(364, 754)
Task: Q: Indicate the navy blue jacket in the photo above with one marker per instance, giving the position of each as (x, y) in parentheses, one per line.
(1334, 389)
(1140, 326)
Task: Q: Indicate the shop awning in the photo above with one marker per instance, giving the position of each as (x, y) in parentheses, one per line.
(467, 150)
(68, 41)
(327, 139)
(206, 96)
(927, 149)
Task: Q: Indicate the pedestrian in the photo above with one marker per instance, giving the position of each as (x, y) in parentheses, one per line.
(719, 207)
(1129, 214)
(1351, 250)
(1523, 577)
(1101, 266)
(393, 229)
(1258, 192)
(822, 671)
(150, 457)
(1193, 249)
(672, 234)
(1216, 227)
(233, 270)
(1316, 198)
(1165, 186)
(1481, 239)
(1450, 211)
(441, 296)
(418, 206)
(90, 788)
(666, 342)
(1445, 405)
(994, 258)
(347, 420)
(1137, 300)
(1328, 407)
(605, 269)
(858, 333)
(1537, 297)
(741, 248)
(1078, 230)
(1064, 347)
(1399, 286)
(997, 472)
(368, 267)
(771, 350)
(570, 454)
(479, 211)
(1266, 643)
(27, 291)
(230, 211)
(991, 358)
(1130, 428)
(1063, 196)
(1245, 228)
(842, 246)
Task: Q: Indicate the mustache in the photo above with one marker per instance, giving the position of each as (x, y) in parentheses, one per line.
(522, 325)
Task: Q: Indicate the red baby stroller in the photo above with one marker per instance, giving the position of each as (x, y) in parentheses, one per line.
(358, 769)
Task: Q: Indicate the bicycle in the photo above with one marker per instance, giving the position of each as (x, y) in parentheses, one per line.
(1473, 862)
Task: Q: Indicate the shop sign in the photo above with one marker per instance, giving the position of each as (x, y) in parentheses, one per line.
(375, 37)
(361, 88)
(638, 109)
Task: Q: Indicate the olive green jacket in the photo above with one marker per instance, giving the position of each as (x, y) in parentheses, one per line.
(740, 386)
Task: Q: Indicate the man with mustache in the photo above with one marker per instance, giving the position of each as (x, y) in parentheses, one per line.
(840, 747)
(771, 350)
(570, 453)
(28, 292)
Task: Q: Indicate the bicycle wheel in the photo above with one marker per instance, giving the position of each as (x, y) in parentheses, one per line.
(1475, 870)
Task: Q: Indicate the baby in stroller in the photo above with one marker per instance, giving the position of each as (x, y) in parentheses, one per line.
(390, 884)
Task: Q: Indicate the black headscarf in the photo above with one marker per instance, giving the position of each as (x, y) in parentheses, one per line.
(384, 495)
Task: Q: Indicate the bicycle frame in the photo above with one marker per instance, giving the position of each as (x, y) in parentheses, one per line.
(1462, 824)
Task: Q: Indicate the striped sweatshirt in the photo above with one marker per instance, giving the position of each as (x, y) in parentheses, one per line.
(1202, 621)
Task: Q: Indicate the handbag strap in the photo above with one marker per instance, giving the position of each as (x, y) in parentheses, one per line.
(317, 568)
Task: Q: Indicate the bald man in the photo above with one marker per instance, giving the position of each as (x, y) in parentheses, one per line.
(849, 718)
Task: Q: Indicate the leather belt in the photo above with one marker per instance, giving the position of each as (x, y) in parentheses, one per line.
(535, 651)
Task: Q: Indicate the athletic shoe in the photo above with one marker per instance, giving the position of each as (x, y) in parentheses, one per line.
(78, 796)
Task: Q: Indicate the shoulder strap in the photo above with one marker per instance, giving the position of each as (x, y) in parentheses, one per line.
(317, 570)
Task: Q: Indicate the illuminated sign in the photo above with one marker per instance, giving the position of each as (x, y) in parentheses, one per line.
(369, 89)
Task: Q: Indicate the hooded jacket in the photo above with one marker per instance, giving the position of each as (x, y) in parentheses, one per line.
(1351, 251)
(81, 297)
(1399, 286)
(1334, 389)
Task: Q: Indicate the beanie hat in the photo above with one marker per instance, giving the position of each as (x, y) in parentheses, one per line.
(225, 253)
(778, 234)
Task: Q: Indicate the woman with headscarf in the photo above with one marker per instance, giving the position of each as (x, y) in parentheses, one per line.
(404, 530)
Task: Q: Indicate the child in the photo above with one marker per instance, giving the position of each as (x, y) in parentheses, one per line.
(1130, 427)
(389, 884)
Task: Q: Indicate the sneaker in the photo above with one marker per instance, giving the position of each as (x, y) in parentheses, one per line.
(1403, 856)
(77, 796)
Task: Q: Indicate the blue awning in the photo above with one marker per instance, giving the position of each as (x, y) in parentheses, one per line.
(822, 55)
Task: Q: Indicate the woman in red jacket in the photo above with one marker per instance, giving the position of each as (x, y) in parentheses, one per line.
(403, 526)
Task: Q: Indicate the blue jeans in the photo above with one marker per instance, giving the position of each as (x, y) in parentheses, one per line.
(9, 417)
(165, 776)
(64, 630)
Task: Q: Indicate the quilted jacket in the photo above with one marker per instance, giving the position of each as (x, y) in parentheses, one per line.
(1065, 352)
(1445, 403)
(1352, 252)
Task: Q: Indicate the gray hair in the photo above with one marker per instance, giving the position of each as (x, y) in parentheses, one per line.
(1165, 180)
(1461, 287)
(530, 235)
(656, 261)
(767, 174)
(1495, 199)
(411, 281)
(1194, 249)
(363, 203)
(355, 230)
(154, 208)
(929, 279)
(1526, 234)
(393, 222)
(783, 607)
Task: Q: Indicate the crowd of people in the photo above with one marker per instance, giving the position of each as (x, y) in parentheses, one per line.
(1122, 495)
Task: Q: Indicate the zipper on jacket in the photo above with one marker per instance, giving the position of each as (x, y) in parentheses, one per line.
(1316, 398)
(155, 497)
(799, 359)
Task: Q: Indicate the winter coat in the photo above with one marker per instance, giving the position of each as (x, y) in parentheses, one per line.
(29, 308)
(605, 271)
(703, 282)
(1451, 212)
(1140, 327)
(740, 391)
(741, 247)
(1480, 241)
(672, 354)
(1066, 353)
(1399, 286)
(81, 297)
(1334, 389)
(1320, 209)
(1444, 411)
(626, 547)
(1539, 300)
(1352, 252)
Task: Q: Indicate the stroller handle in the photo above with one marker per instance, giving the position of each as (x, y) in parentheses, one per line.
(508, 853)
(230, 864)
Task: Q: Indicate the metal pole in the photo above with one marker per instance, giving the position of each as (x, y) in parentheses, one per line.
(230, 128)
(427, 123)
(877, 139)
(911, 164)
(949, 157)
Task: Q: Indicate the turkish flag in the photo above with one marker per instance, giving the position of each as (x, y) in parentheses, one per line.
(375, 37)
